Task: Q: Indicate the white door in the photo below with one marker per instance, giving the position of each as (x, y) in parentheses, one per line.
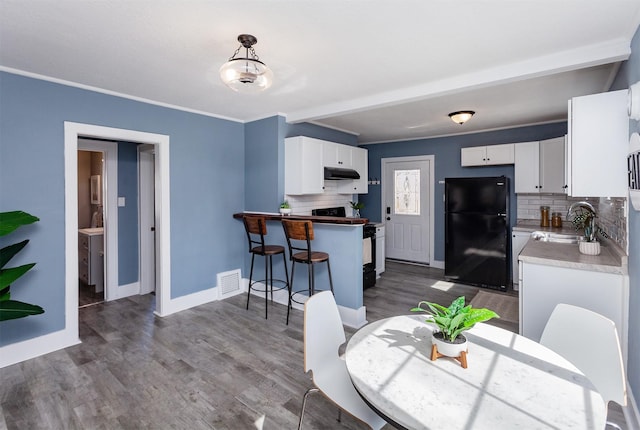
(407, 208)
(147, 221)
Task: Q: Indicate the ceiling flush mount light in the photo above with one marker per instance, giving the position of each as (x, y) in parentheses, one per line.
(462, 116)
(246, 74)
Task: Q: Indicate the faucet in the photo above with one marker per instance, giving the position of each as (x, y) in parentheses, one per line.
(590, 231)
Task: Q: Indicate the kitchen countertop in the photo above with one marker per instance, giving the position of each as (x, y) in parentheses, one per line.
(612, 258)
(271, 216)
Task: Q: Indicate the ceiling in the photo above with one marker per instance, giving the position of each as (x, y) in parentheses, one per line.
(385, 70)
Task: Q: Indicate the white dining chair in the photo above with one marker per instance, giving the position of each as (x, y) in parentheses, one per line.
(590, 342)
(323, 335)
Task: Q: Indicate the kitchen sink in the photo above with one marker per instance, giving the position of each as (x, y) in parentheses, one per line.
(545, 236)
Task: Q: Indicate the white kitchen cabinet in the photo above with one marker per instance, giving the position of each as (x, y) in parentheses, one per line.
(487, 155)
(518, 241)
(597, 145)
(543, 287)
(303, 168)
(91, 257)
(337, 155)
(359, 163)
(540, 166)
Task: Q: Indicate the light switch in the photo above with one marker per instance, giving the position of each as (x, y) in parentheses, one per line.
(121, 202)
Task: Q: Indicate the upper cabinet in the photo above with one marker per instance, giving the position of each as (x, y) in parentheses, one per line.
(359, 162)
(597, 145)
(303, 169)
(487, 155)
(337, 155)
(305, 159)
(540, 166)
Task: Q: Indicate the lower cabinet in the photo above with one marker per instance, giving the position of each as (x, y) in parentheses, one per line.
(91, 260)
(543, 287)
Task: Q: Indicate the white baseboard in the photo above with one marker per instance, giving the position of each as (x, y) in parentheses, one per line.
(355, 318)
(189, 301)
(437, 264)
(41, 345)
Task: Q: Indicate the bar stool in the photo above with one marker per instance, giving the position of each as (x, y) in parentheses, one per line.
(256, 228)
(301, 232)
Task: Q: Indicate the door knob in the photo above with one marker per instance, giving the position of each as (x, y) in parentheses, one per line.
(388, 218)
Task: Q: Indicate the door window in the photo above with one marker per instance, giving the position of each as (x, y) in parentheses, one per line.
(406, 191)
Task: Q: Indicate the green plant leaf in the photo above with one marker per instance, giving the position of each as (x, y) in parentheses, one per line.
(5, 294)
(9, 221)
(12, 309)
(7, 276)
(8, 252)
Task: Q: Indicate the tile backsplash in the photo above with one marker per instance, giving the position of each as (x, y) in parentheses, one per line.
(303, 204)
(611, 211)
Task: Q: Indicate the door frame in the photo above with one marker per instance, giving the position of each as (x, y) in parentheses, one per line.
(386, 182)
(73, 131)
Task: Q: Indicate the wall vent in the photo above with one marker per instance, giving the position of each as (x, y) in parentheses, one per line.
(229, 283)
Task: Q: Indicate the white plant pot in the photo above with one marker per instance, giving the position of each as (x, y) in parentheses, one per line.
(285, 211)
(450, 349)
(589, 248)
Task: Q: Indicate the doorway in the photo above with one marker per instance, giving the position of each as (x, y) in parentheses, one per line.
(91, 251)
(72, 132)
(407, 208)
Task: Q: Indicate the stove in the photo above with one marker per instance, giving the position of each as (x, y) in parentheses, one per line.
(368, 244)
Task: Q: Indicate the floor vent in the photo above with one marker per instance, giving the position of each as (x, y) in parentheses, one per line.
(229, 283)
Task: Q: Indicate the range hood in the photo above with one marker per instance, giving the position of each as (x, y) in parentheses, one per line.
(339, 173)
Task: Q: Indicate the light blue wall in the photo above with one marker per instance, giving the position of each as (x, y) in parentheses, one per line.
(207, 187)
(128, 257)
(446, 151)
(630, 74)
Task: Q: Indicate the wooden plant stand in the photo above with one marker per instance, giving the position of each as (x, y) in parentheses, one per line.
(462, 359)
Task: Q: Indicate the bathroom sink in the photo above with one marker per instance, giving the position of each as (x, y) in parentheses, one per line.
(545, 236)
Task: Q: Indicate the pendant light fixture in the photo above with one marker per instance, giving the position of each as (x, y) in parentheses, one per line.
(246, 74)
(462, 116)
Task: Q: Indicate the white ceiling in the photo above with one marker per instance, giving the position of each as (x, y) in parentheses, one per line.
(385, 70)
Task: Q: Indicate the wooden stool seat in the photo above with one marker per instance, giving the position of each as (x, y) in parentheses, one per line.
(316, 257)
(256, 228)
(299, 235)
(268, 250)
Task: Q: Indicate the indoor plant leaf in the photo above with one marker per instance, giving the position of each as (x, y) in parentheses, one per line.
(9, 221)
(7, 276)
(12, 309)
(8, 252)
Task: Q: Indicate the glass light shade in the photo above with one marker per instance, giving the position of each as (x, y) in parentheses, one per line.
(461, 117)
(246, 75)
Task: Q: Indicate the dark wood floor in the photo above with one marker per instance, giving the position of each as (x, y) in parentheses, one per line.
(216, 366)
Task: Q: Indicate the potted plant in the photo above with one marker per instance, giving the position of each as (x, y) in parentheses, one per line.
(356, 206)
(285, 209)
(12, 309)
(451, 322)
(584, 221)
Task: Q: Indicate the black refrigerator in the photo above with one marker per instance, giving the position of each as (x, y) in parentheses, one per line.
(477, 231)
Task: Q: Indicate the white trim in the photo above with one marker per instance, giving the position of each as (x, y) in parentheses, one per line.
(114, 93)
(355, 318)
(122, 291)
(189, 301)
(31, 348)
(437, 264)
(432, 185)
(146, 219)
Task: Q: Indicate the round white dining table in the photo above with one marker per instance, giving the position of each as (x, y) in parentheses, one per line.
(511, 382)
